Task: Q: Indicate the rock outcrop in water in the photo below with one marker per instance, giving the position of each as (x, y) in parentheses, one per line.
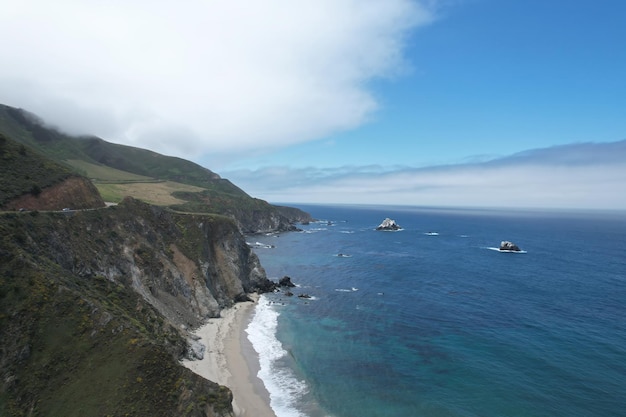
(505, 245)
(388, 224)
(286, 282)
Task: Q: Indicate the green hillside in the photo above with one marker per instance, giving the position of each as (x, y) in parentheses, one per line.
(27, 128)
(103, 173)
(119, 171)
(23, 170)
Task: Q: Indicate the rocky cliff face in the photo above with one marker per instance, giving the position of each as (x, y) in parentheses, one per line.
(187, 266)
(252, 215)
(103, 297)
(264, 221)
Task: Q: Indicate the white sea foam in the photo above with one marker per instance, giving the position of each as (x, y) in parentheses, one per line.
(260, 245)
(353, 289)
(315, 230)
(285, 389)
(506, 251)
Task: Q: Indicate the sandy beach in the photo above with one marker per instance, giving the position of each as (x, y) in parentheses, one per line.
(224, 361)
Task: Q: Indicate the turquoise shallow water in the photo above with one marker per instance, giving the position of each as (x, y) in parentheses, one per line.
(431, 321)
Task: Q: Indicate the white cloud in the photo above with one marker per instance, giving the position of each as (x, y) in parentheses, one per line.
(202, 77)
(591, 176)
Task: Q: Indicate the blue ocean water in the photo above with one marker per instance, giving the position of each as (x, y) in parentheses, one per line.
(431, 321)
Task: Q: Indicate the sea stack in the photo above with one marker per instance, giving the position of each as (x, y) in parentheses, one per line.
(509, 246)
(388, 224)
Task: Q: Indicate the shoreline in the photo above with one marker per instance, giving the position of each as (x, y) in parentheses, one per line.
(230, 360)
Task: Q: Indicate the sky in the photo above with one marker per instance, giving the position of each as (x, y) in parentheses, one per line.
(479, 103)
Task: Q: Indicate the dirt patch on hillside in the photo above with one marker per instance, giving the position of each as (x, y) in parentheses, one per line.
(74, 193)
(159, 193)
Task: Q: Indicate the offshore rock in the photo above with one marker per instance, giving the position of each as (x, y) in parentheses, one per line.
(388, 224)
(286, 282)
(509, 246)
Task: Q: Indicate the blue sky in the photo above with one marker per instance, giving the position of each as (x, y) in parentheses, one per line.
(368, 101)
(490, 78)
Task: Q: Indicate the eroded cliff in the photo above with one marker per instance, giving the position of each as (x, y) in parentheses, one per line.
(103, 298)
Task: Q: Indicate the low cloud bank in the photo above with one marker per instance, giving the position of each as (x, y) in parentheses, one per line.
(586, 176)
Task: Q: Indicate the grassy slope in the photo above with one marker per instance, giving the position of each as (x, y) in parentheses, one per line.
(28, 129)
(114, 184)
(103, 173)
(158, 193)
(151, 164)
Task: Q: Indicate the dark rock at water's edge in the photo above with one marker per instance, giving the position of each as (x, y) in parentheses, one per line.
(286, 282)
(388, 224)
(266, 286)
(304, 296)
(509, 246)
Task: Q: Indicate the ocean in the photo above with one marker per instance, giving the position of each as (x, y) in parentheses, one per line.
(432, 321)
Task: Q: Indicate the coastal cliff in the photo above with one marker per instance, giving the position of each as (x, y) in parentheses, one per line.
(98, 304)
(100, 301)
